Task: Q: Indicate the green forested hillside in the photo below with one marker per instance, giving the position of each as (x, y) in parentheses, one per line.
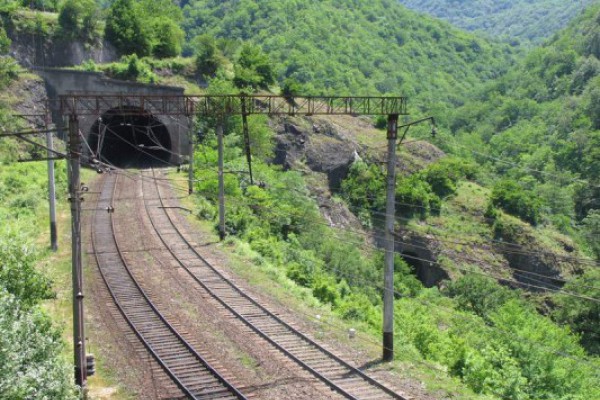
(540, 124)
(524, 140)
(359, 47)
(512, 20)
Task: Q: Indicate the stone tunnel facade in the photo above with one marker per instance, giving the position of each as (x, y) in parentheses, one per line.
(122, 137)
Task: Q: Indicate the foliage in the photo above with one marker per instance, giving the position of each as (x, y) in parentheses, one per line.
(583, 316)
(167, 38)
(514, 20)
(478, 294)
(79, 19)
(591, 230)
(131, 68)
(508, 195)
(8, 66)
(31, 365)
(253, 69)
(18, 275)
(42, 5)
(126, 30)
(356, 47)
(208, 56)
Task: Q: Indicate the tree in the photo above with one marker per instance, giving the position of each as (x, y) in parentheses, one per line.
(581, 315)
(31, 365)
(167, 40)
(508, 195)
(253, 69)
(126, 30)
(208, 56)
(591, 231)
(79, 19)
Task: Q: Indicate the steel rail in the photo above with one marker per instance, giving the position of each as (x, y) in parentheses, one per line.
(233, 392)
(352, 370)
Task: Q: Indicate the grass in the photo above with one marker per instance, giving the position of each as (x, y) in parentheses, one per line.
(57, 265)
(272, 281)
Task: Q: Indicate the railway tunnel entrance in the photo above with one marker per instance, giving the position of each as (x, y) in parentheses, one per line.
(130, 137)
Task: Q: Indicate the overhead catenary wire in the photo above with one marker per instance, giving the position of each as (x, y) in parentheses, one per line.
(453, 267)
(511, 334)
(514, 250)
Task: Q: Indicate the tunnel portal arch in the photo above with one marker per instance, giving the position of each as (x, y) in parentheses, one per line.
(130, 137)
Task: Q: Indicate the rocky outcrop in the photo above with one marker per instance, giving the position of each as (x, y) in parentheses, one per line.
(317, 145)
(31, 50)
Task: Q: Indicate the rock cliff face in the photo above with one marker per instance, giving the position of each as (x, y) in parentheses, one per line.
(34, 51)
(325, 148)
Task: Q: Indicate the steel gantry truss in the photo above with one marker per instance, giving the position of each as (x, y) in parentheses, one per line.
(220, 107)
(211, 105)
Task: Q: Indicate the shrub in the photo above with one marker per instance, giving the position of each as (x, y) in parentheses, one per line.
(18, 275)
(126, 30)
(31, 365)
(79, 19)
(167, 38)
(508, 195)
(414, 197)
(253, 69)
(583, 316)
(443, 175)
(478, 294)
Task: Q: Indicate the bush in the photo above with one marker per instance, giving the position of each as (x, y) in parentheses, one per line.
(126, 30)
(31, 364)
(132, 68)
(478, 294)
(208, 57)
(253, 69)
(168, 37)
(443, 175)
(79, 19)
(583, 316)
(414, 197)
(508, 195)
(18, 275)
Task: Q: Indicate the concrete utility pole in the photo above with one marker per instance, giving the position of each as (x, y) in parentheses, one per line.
(246, 135)
(390, 217)
(390, 214)
(221, 180)
(77, 270)
(191, 156)
(51, 187)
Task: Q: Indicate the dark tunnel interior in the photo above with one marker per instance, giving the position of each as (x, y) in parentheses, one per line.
(130, 137)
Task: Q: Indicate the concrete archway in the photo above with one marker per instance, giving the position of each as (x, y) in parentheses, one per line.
(130, 137)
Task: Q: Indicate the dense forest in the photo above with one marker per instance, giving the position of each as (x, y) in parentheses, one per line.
(515, 21)
(521, 135)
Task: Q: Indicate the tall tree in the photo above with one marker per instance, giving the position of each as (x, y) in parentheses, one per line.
(126, 30)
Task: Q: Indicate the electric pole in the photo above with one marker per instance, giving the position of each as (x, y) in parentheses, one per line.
(390, 214)
(246, 135)
(51, 187)
(191, 161)
(77, 270)
(390, 217)
(221, 179)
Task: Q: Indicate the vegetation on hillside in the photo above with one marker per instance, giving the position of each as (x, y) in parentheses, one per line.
(282, 232)
(539, 126)
(361, 48)
(525, 160)
(516, 21)
(31, 361)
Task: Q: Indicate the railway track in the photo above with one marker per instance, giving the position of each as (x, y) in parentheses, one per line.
(182, 363)
(337, 374)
